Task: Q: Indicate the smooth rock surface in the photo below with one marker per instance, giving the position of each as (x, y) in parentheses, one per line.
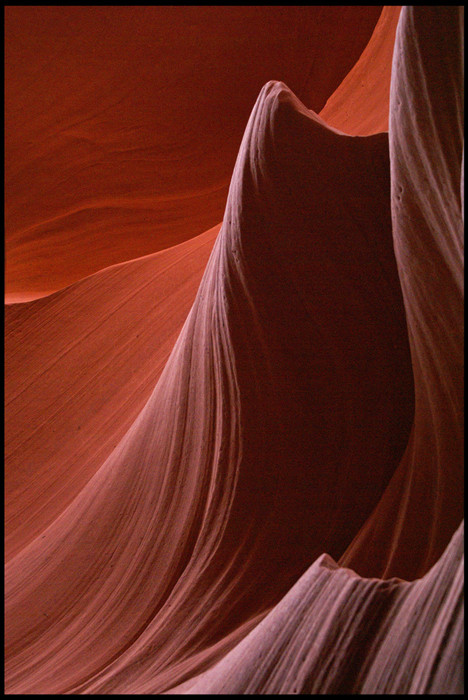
(235, 466)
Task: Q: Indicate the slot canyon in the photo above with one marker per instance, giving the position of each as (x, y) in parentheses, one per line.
(234, 305)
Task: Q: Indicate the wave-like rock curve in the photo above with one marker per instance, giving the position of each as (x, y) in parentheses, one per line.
(123, 124)
(277, 431)
(240, 428)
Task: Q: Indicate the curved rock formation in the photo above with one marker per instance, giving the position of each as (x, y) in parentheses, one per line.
(335, 633)
(240, 429)
(426, 145)
(80, 365)
(360, 104)
(292, 418)
(123, 123)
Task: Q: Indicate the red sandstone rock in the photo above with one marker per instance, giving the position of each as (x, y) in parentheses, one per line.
(191, 560)
(80, 365)
(360, 104)
(123, 123)
(422, 506)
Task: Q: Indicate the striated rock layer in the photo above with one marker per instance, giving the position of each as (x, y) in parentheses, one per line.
(335, 633)
(426, 146)
(123, 123)
(292, 418)
(240, 430)
(360, 104)
(80, 365)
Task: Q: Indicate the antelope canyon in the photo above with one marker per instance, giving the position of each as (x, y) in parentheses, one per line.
(234, 350)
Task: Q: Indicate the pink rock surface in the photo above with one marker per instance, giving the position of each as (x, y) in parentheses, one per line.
(80, 365)
(426, 144)
(170, 496)
(335, 632)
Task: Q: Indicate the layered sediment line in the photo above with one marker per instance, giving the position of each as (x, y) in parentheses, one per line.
(335, 632)
(123, 124)
(309, 400)
(240, 430)
(79, 367)
(423, 506)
